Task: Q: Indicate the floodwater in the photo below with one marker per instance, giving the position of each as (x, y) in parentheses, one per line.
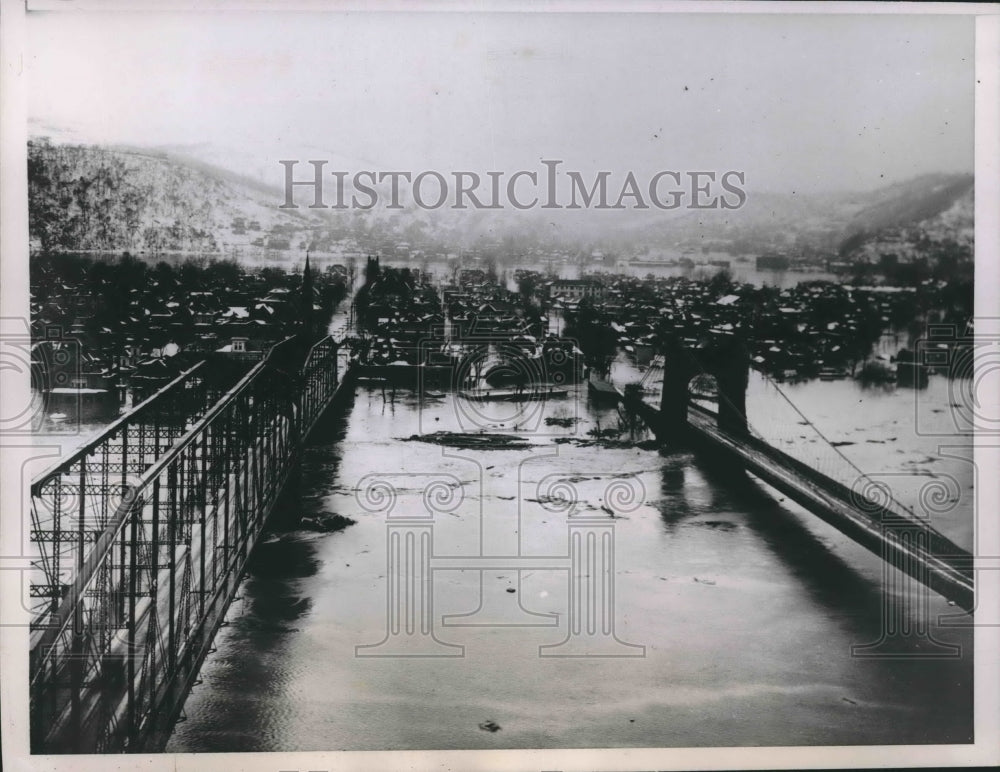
(67, 422)
(742, 272)
(744, 607)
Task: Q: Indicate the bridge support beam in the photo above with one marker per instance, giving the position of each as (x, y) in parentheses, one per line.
(732, 374)
(674, 400)
(728, 363)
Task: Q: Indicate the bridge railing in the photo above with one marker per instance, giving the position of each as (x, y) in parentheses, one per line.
(840, 493)
(873, 519)
(320, 379)
(74, 499)
(151, 575)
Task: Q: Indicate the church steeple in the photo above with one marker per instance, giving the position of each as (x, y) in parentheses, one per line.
(307, 300)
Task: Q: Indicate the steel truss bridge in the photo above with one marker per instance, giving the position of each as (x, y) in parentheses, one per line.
(142, 536)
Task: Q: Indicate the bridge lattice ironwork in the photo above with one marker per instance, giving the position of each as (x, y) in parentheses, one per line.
(142, 536)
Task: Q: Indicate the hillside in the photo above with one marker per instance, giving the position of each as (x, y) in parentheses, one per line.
(155, 202)
(114, 199)
(929, 215)
(917, 200)
(931, 207)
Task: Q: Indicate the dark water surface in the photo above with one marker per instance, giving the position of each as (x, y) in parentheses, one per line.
(747, 606)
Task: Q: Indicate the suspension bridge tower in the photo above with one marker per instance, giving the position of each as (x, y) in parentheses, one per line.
(727, 360)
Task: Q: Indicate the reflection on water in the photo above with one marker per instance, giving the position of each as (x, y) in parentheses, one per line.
(896, 436)
(742, 272)
(747, 605)
(68, 421)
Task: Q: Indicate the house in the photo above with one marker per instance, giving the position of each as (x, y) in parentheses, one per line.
(153, 374)
(248, 339)
(576, 289)
(65, 366)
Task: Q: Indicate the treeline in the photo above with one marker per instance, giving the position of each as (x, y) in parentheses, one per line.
(113, 292)
(92, 199)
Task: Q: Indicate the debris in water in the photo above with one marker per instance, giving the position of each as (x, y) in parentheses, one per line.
(717, 525)
(845, 699)
(480, 441)
(605, 442)
(511, 589)
(704, 581)
(490, 726)
(326, 523)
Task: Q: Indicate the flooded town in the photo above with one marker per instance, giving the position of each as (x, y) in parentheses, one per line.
(445, 382)
(501, 377)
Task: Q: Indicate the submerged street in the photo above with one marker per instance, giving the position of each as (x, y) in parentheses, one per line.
(747, 605)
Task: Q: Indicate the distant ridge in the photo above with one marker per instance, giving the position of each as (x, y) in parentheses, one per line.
(209, 169)
(157, 201)
(909, 203)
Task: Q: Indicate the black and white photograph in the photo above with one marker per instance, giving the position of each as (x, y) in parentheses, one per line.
(510, 386)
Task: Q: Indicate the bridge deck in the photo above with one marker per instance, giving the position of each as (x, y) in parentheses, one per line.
(144, 534)
(903, 540)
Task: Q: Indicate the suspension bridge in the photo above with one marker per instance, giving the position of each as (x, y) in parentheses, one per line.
(142, 536)
(820, 477)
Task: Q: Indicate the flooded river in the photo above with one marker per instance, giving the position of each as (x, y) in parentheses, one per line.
(743, 606)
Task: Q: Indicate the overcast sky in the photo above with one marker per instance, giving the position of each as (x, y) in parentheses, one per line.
(802, 103)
